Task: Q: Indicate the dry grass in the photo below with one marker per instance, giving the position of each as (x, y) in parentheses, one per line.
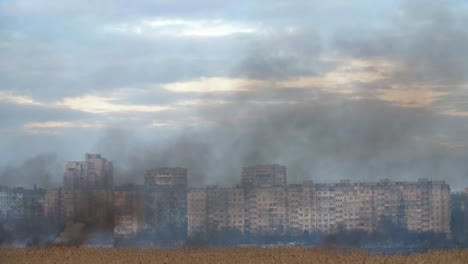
(214, 256)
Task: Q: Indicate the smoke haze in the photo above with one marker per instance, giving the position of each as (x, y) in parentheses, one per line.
(360, 91)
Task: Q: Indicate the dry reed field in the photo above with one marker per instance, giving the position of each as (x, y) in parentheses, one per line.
(226, 255)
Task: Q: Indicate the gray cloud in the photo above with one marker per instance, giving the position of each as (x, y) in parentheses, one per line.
(429, 40)
(281, 54)
(60, 50)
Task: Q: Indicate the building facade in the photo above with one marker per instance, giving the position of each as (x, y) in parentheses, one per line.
(166, 177)
(94, 173)
(53, 205)
(165, 201)
(264, 205)
(264, 176)
(197, 212)
(87, 193)
(465, 210)
(11, 203)
(129, 214)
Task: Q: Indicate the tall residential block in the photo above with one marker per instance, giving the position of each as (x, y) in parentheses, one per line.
(94, 173)
(87, 194)
(166, 200)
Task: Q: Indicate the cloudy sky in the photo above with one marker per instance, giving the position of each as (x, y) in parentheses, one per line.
(331, 89)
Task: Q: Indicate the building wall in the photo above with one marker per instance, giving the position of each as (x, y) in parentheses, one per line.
(236, 213)
(267, 210)
(94, 173)
(165, 207)
(465, 209)
(128, 211)
(264, 176)
(33, 203)
(325, 208)
(419, 206)
(215, 209)
(300, 208)
(166, 200)
(196, 212)
(11, 203)
(166, 177)
(52, 205)
(439, 207)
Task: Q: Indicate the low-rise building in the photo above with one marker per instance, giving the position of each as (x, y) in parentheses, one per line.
(33, 203)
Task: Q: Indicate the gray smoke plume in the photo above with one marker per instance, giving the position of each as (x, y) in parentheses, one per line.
(317, 132)
(44, 170)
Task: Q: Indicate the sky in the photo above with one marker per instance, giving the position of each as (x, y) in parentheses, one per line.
(359, 90)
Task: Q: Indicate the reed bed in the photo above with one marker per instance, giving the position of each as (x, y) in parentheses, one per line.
(225, 255)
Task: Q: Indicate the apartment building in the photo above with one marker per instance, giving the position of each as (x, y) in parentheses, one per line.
(11, 203)
(272, 208)
(87, 191)
(439, 207)
(165, 201)
(215, 209)
(53, 205)
(129, 213)
(236, 205)
(196, 212)
(33, 203)
(301, 207)
(20, 203)
(267, 210)
(94, 173)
